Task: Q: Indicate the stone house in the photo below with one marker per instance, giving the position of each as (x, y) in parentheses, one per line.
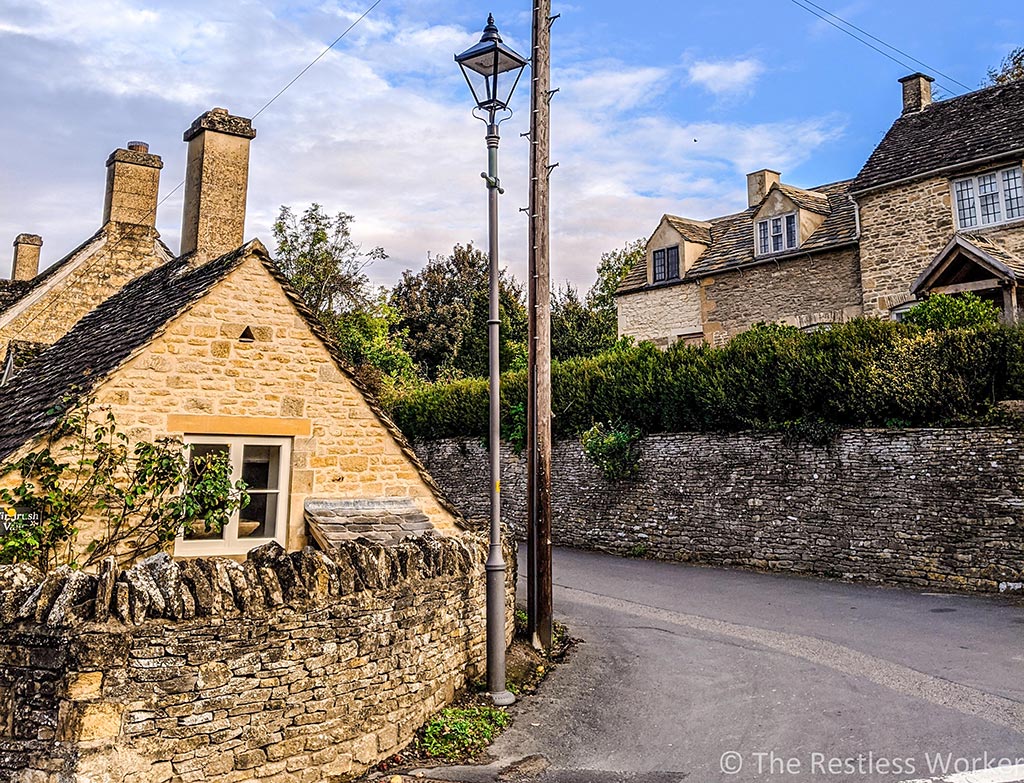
(216, 348)
(937, 208)
(37, 309)
(941, 200)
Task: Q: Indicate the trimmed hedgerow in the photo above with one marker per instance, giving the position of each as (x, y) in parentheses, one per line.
(866, 372)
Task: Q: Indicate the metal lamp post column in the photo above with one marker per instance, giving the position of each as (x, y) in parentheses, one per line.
(483, 65)
(495, 566)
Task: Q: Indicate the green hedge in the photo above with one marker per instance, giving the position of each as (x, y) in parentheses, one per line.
(864, 373)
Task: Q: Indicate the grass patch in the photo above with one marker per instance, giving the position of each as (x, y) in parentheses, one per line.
(460, 733)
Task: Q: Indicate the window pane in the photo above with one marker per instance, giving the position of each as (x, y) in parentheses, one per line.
(1013, 193)
(762, 236)
(672, 263)
(966, 213)
(659, 265)
(790, 230)
(259, 518)
(198, 454)
(988, 197)
(260, 466)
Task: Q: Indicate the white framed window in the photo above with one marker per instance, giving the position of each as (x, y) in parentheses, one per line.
(777, 234)
(989, 199)
(666, 264)
(264, 465)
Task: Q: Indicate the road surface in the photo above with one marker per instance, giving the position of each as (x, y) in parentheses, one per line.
(704, 675)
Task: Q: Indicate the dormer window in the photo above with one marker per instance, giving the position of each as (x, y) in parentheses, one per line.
(666, 264)
(776, 234)
(989, 199)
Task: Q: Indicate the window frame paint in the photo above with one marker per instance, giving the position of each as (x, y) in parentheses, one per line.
(231, 543)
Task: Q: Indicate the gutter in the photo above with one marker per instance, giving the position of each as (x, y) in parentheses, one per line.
(935, 172)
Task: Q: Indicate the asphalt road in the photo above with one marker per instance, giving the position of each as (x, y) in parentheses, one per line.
(703, 674)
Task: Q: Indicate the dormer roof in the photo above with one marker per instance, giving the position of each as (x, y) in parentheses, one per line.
(812, 200)
(732, 236)
(697, 231)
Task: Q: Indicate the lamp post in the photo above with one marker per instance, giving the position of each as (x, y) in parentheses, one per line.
(492, 71)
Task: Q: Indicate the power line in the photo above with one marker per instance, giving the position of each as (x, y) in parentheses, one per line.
(874, 38)
(178, 187)
(320, 56)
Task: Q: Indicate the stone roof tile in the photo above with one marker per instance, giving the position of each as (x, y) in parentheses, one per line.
(955, 133)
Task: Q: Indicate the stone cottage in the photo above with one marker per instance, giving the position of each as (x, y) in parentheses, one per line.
(937, 208)
(215, 347)
(37, 309)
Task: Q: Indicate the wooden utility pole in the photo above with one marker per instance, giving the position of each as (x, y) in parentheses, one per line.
(538, 406)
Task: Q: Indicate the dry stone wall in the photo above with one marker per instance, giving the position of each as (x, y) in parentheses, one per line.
(290, 667)
(931, 508)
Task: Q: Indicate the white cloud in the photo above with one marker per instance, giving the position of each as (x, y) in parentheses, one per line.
(379, 128)
(726, 77)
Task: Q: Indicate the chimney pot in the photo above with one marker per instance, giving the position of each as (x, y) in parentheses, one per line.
(133, 185)
(917, 92)
(216, 181)
(759, 183)
(26, 256)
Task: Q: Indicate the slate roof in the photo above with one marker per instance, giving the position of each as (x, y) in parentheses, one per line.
(691, 230)
(73, 366)
(104, 339)
(949, 134)
(990, 244)
(13, 291)
(732, 237)
(387, 521)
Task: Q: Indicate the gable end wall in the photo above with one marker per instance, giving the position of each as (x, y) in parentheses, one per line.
(197, 367)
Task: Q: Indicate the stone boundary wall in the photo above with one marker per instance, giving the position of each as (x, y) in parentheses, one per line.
(290, 667)
(927, 508)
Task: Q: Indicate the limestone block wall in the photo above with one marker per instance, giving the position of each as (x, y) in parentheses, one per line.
(198, 378)
(805, 291)
(660, 315)
(927, 508)
(300, 667)
(120, 254)
(902, 229)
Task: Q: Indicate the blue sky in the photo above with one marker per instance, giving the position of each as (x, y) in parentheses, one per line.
(663, 107)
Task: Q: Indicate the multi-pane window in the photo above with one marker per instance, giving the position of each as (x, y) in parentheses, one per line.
(666, 264)
(777, 234)
(262, 463)
(672, 263)
(763, 248)
(989, 198)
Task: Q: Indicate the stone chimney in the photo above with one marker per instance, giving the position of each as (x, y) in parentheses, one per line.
(216, 180)
(759, 183)
(26, 256)
(917, 92)
(133, 184)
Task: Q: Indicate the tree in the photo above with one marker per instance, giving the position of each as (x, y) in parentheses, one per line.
(1011, 69)
(443, 311)
(589, 326)
(321, 259)
(577, 329)
(319, 256)
(611, 271)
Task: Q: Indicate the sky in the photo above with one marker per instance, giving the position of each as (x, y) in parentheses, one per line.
(661, 107)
